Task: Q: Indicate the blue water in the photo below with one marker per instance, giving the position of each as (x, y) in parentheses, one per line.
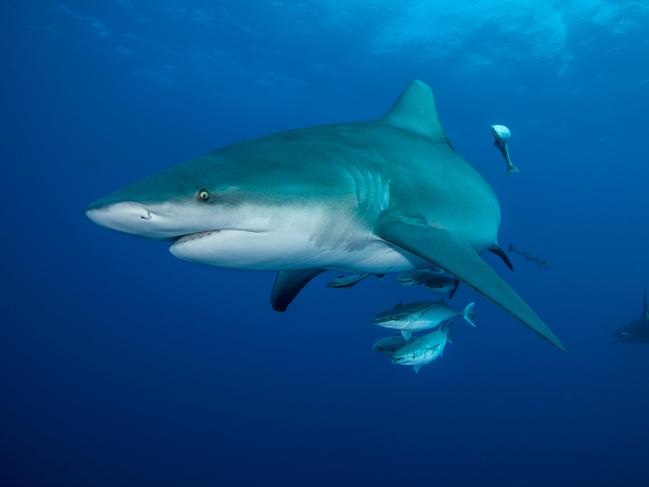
(124, 366)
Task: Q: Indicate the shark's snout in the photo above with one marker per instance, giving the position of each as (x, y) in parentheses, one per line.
(127, 216)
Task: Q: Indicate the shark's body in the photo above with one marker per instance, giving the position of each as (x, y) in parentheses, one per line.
(637, 331)
(373, 197)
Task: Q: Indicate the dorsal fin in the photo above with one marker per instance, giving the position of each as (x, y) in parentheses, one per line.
(415, 111)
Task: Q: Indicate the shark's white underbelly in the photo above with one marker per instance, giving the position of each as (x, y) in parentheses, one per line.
(277, 250)
(298, 238)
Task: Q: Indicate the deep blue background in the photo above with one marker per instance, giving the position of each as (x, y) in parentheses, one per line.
(124, 366)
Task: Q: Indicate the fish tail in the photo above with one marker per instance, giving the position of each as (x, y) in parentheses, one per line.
(469, 314)
(511, 169)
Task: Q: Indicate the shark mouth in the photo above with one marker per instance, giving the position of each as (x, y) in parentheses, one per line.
(193, 236)
(225, 248)
(208, 233)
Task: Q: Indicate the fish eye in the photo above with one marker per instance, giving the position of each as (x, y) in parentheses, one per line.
(203, 195)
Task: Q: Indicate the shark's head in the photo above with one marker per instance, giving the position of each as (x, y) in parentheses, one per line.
(188, 199)
(197, 205)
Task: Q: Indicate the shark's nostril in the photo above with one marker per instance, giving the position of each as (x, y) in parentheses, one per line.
(124, 216)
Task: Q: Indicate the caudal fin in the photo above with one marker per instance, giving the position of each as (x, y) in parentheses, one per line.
(469, 314)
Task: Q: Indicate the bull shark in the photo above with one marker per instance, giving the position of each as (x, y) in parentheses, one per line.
(638, 330)
(386, 195)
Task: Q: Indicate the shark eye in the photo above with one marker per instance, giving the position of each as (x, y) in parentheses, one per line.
(203, 195)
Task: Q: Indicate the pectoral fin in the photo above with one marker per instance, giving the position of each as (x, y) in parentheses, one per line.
(457, 257)
(288, 284)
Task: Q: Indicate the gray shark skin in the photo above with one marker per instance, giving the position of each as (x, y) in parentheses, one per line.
(636, 332)
(388, 195)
